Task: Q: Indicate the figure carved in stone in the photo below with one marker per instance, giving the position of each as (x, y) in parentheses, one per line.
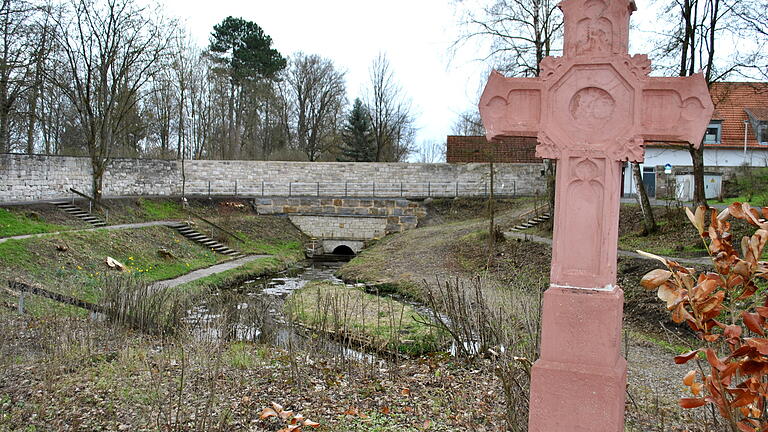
(592, 107)
(594, 35)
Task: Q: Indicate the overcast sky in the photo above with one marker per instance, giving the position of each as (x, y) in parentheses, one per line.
(416, 36)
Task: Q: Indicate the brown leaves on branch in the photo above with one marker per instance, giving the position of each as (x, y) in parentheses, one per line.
(728, 311)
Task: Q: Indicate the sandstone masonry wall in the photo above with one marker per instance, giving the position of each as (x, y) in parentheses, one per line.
(27, 178)
(325, 217)
(334, 227)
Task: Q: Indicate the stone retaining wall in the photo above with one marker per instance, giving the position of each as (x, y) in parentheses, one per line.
(27, 178)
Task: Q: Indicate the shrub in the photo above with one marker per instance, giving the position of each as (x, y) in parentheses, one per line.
(728, 311)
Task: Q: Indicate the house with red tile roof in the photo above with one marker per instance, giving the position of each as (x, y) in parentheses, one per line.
(737, 136)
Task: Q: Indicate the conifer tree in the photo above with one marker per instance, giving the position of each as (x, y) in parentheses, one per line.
(357, 137)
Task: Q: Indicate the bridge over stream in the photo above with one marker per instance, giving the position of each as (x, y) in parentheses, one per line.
(342, 204)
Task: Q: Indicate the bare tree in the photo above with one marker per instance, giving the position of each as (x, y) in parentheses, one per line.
(315, 92)
(392, 122)
(649, 221)
(468, 124)
(432, 152)
(110, 50)
(520, 32)
(699, 32)
(17, 40)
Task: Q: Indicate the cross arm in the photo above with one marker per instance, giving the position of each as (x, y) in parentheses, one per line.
(511, 106)
(676, 109)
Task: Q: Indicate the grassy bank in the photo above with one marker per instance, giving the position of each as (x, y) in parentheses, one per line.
(14, 222)
(73, 263)
(378, 323)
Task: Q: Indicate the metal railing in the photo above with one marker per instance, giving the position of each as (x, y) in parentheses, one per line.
(350, 189)
(91, 202)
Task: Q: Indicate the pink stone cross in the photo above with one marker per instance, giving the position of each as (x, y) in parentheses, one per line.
(592, 110)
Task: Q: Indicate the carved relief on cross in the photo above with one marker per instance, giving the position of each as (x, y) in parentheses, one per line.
(592, 109)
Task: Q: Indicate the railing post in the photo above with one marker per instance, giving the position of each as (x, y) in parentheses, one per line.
(401, 189)
(429, 189)
(235, 187)
(318, 188)
(290, 188)
(374, 189)
(514, 189)
(209, 188)
(486, 188)
(346, 188)
(456, 194)
(262, 188)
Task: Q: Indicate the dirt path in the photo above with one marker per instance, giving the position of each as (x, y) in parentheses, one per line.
(624, 253)
(108, 227)
(201, 273)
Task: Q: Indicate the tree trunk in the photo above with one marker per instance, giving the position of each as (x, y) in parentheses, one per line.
(550, 170)
(97, 179)
(649, 222)
(491, 220)
(32, 118)
(697, 157)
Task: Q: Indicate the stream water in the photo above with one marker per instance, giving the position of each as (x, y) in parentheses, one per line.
(253, 311)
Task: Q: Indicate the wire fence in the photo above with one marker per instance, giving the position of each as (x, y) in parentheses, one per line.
(350, 189)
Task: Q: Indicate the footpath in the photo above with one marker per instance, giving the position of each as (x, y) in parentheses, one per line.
(108, 227)
(201, 273)
(625, 253)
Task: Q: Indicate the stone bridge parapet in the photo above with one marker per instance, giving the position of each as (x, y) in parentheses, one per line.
(350, 218)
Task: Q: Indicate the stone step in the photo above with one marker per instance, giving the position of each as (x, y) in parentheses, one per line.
(203, 240)
(80, 214)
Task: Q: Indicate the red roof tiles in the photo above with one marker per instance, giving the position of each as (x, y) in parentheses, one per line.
(731, 99)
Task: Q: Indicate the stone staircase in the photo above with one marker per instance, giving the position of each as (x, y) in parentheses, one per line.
(79, 213)
(195, 236)
(530, 223)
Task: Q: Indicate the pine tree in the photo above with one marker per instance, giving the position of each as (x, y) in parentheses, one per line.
(358, 145)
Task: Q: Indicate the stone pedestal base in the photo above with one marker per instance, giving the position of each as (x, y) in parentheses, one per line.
(579, 383)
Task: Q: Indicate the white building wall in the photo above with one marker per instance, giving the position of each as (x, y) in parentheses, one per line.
(713, 157)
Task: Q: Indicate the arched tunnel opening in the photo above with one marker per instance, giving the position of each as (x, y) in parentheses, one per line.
(343, 250)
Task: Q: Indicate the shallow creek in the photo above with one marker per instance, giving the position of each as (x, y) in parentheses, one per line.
(254, 312)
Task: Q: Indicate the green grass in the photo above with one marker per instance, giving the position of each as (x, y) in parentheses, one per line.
(278, 248)
(672, 348)
(395, 422)
(79, 270)
(14, 224)
(161, 210)
(757, 200)
(239, 355)
(380, 323)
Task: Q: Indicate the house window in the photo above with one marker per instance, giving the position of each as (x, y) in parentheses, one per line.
(762, 133)
(713, 134)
